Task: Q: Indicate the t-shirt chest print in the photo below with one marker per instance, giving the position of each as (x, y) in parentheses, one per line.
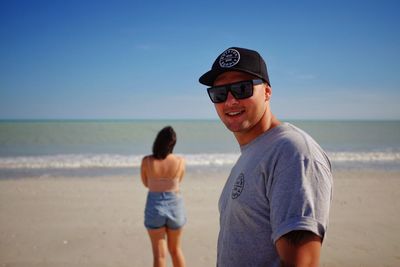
(238, 186)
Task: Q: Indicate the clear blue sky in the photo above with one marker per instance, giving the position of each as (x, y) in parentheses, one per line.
(142, 59)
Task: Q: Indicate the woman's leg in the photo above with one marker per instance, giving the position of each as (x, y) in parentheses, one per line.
(174, 247)
(158, 244)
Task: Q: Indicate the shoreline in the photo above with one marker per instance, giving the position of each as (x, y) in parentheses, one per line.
(98, 221)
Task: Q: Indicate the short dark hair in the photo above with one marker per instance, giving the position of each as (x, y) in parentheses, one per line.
(164, 143)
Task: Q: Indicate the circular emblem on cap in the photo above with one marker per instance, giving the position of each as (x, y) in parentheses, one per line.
(238, 186)
(229, 58)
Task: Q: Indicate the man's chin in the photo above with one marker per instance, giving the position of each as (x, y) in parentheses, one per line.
(236, 127)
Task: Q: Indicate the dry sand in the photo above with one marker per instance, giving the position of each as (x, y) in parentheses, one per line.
(98, 221)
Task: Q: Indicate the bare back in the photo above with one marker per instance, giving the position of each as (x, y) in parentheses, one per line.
(162, 175)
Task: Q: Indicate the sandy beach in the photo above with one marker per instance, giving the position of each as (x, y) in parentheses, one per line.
(98, 221)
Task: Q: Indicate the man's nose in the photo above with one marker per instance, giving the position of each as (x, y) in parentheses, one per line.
(230, 99)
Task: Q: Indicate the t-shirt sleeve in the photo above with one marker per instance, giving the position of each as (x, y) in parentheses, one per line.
(300, 198)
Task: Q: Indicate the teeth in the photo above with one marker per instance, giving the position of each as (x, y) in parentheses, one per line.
(234, 113)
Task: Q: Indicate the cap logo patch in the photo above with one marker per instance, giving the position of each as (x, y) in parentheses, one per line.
(229, 58)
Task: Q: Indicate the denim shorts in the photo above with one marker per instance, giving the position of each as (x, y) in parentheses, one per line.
(164, 209)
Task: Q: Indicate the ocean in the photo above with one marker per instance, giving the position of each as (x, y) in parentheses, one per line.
(38, 148)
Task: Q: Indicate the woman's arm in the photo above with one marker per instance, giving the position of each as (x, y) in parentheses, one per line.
(143, 172)
(182, 172)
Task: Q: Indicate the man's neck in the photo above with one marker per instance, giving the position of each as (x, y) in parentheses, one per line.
(265, 124)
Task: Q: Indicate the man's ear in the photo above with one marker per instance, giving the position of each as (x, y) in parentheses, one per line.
(268, 92)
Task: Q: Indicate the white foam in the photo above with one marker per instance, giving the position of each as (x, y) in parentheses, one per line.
(365, 156)
(77, 161)
(70, 161)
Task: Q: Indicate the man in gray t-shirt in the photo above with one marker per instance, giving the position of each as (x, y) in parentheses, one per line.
(274, 208)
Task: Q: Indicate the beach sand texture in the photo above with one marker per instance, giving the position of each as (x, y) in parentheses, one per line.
(98, 221)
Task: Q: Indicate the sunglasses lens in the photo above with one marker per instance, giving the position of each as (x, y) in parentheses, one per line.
(242, 90)
(218, 94)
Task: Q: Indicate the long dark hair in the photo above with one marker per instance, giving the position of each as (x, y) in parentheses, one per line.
(164, 143)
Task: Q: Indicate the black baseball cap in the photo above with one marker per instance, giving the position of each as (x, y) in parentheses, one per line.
(237, 59)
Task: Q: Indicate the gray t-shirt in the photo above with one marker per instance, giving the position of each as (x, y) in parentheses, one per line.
(281, 182)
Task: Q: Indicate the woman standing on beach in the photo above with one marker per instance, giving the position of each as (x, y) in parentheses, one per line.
(162, 173)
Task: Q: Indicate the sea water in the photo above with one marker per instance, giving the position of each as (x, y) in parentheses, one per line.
(97, 147)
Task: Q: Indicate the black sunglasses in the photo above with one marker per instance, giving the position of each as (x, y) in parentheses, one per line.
(239, 90)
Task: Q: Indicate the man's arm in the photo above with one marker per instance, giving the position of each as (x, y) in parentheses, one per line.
(299, 248)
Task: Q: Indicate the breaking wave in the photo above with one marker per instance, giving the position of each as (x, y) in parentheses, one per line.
(78, 161)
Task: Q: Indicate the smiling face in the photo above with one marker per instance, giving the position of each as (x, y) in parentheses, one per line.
(246, 118)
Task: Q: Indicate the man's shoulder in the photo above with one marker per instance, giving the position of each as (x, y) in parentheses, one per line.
(293, 137)
(291, 144)
(285, 136)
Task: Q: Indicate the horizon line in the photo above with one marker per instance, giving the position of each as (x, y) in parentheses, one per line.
(183, 119)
